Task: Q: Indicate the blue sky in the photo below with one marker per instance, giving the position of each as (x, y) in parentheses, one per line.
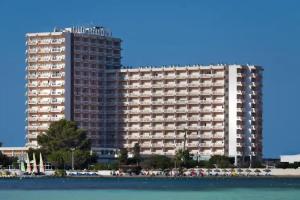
(159, 32)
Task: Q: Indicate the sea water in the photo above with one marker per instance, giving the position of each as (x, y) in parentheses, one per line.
(150, 188)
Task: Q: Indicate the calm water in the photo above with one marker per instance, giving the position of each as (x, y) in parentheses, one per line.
(150, 188)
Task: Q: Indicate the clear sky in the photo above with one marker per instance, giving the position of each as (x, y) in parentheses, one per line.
(157, 32)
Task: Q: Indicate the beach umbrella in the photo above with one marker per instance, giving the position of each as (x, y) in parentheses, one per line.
(267, 170)
(217, 170)
(225, 171)
(239, 170)
(41, 165)
(208, 171)
(28, 170)
(257, 171)
(233, 172)
(248, 171)
(35, 170)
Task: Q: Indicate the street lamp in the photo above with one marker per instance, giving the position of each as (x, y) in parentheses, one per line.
(72, 150)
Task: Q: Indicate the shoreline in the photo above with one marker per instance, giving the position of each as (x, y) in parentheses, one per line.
(155, 177)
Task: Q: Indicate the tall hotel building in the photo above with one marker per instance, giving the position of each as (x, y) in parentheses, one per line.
(76, 73)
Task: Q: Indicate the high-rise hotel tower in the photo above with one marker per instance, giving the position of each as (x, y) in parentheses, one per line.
(76, 73)
(66, 79)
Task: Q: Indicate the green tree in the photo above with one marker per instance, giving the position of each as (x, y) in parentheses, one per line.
(182, 158)
(123, 156)
(57, 159)
(58, 142)
(105, 166)
(137, 153)
(157, 162)
(220, 161)
(5, 161)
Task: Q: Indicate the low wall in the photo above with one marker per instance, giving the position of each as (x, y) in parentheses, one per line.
(285, 172)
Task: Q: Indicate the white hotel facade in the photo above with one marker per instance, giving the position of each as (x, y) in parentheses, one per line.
(76, 73)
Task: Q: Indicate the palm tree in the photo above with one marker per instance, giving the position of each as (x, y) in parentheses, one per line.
(182, 157)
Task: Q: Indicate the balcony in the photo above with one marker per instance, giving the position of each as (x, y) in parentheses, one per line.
(218, 119)
(204, 145)
(205, 127)
(240, 127)
(170, 77)
(218, 145)
(193, 136)
(32, 102)
(44, 119)
(181, 110)
(157, 85)
(193, 145)
(143, 145)
(43, 110)
(218, 93)
(169, 145)
(145, 77)
(43, 128)
(206, 119)
(172, 85)
(31, 136)
(158, 94)
(239, 144)
(56, 110)
(182, 76)
(218, 136)
(157, 145)
(194, 118)
(218, 84)
(30, 94)
(218, 127)
(56, 41)
(240, 110)
(31, 42)
(31, 76)
(32, 110)
(206, 93)
(32, 128)
(30, 85)
(205, 75)
(170, 128)
(170, 94)
(32, 119)
(194, 76)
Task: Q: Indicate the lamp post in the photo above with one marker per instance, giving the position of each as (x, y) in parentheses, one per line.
(72, 150)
